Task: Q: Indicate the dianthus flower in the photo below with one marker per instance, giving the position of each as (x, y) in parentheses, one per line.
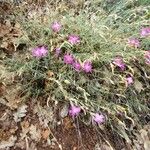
(129, 80)
(147, 57)
(57, 51)
(87, 66)
(39, 52)
(74, 111)
(134, 42)
(73, 39)
(145, 32)
(56, 26)
(118, 61)
(68, 59)
(98, 118)
(77, 66)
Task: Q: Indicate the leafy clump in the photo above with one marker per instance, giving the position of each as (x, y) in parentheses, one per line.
(99, 63)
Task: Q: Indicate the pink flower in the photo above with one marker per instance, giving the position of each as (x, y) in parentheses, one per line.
(129, 80)
(57, 51)
(73, 39)
(39, 52)
(145, 32)
(118, 61)
(99, 118)
(56, 26)
(134, 42)
(87, 66)
(147, 57)
(68, 59)
(77, 66)
(74, 111)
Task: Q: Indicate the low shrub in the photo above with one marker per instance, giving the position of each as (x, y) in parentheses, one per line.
(96, 60)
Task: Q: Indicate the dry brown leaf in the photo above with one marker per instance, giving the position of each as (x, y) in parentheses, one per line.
(5, 8)
(49, 74)
(45, 134)
(25, 129)
(35, 133)
(68, 124)
(45, 114)
(75, 148)
(2, 89)
(17, 25)
(20, 144)
(12, 131)
(142, 140)
(144, 135)
(8, 47)
(25, 124)
(4, 30)
(6, 76)
(13, 100)
(9, 143)
(13, 104)
(32, 146)
(9, 34)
